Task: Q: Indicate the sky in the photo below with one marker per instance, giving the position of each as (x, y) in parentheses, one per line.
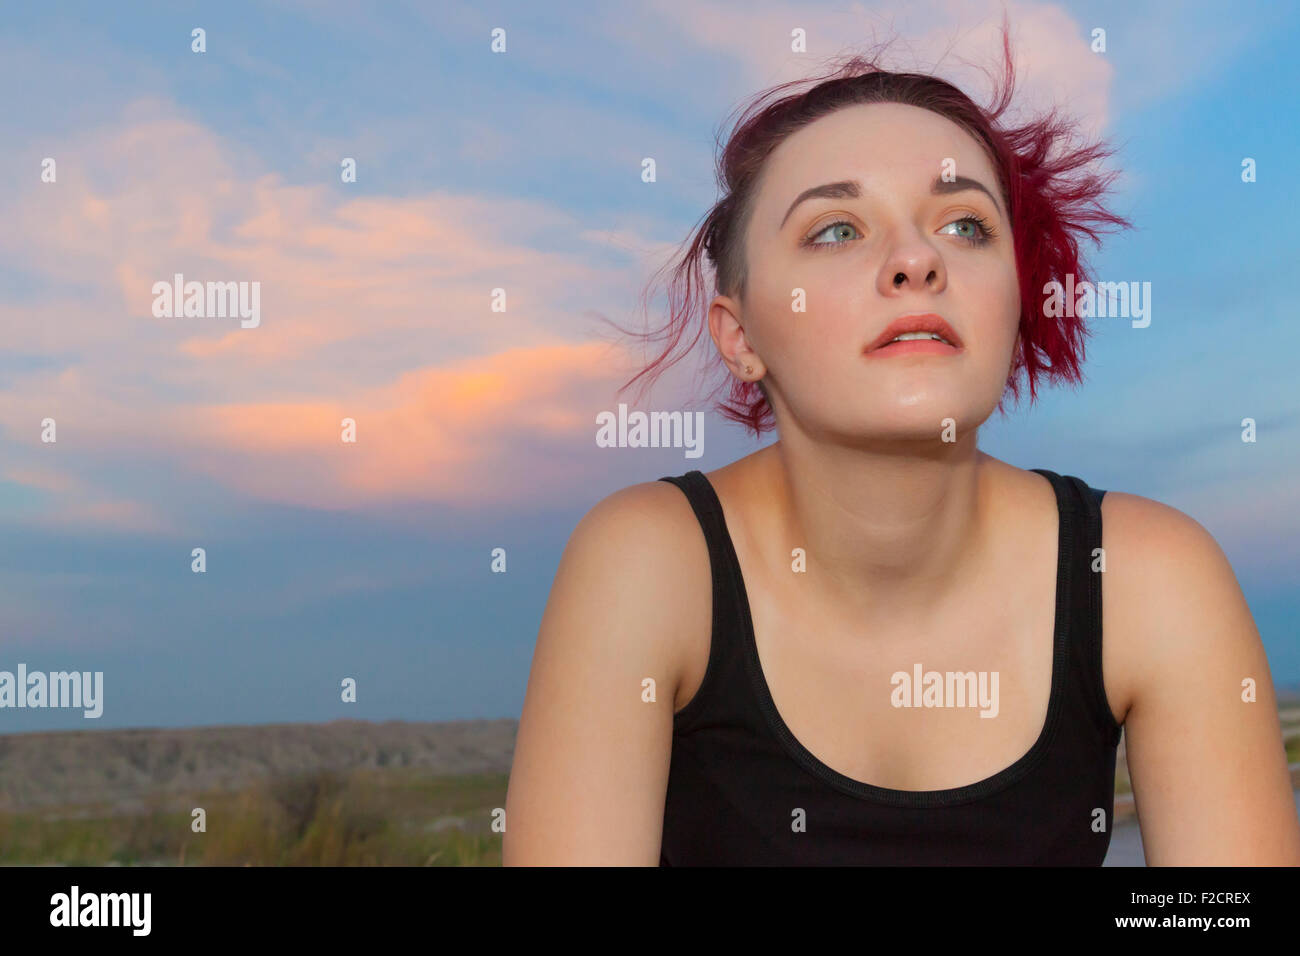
(521, 170)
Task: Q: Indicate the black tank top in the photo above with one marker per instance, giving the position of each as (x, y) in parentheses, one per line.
(738, 776)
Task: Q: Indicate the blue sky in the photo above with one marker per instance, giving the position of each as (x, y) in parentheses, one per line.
(521, 170)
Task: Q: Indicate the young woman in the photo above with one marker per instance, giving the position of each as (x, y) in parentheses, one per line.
(870, 642)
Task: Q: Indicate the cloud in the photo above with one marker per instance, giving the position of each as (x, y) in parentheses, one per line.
(77, 504)
(376, 308)
(1255, 517)
(955, 38)
(458, 434)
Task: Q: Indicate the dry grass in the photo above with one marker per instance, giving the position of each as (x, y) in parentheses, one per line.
(324, 818)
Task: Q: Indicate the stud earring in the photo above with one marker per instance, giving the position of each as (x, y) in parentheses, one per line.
(749, 370)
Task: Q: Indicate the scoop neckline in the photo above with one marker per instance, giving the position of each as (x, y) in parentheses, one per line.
(949, 796)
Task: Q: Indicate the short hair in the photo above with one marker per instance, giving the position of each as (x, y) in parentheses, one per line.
(1052, 197)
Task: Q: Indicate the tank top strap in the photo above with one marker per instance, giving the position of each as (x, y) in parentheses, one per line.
(1079, 554)
(1081, 548)
(724, 683)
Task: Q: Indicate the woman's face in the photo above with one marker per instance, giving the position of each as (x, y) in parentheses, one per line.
(888, 246)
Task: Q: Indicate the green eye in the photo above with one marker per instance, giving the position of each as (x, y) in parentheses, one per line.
(838, 228)
(976, 229)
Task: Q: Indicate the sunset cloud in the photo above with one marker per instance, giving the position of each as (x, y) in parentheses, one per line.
(379, 309)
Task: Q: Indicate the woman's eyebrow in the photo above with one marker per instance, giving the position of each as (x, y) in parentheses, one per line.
(850, 189)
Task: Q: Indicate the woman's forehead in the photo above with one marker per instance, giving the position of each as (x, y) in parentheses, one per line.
(904, 145)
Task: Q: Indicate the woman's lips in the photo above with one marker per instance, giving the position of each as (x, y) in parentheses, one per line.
(913, 347)
(928, 322)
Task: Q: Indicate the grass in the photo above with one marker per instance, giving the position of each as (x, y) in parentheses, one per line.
(389, 817)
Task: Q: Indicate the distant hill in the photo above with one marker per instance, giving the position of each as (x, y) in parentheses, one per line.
(120, 768)
(1288, 694)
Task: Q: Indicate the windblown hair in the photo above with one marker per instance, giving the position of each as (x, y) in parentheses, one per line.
(1051, 194)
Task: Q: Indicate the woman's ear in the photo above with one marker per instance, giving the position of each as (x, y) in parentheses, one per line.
(732, 343)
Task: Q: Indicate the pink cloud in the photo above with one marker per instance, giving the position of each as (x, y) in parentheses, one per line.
(81, 504)
(436, 434)
(1054, 62)
(374, 308)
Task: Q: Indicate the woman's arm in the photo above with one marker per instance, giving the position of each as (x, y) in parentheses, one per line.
(1209, 772)
(590, 768)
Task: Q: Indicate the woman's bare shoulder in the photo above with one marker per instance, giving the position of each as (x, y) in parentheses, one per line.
(1154, 550)
(612, 630)
(1200, 705)
(655, 512)
(640, 550)
(1160, 566)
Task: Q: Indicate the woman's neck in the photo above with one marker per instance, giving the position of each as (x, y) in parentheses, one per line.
(884, 532)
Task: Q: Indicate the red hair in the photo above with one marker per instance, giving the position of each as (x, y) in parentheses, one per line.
(1052, 200)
